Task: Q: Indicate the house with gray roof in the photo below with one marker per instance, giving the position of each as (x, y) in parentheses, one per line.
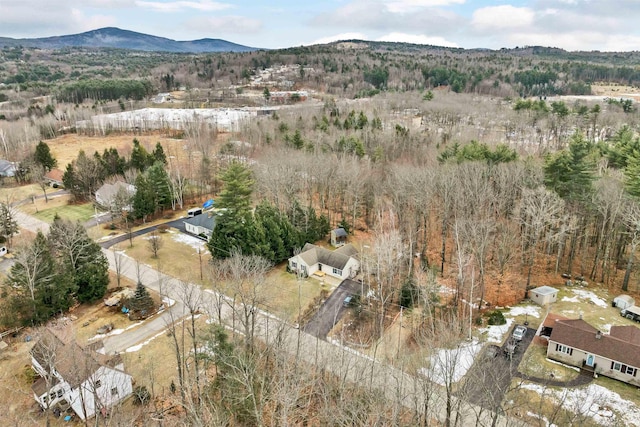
(7, 168)
(201, 225)
(82, 379)
(342, 263)
(115, 197)
(615, 355)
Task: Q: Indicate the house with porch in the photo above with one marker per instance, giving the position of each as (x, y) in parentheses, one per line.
(76, 378)
(342, 263)
(615, 355)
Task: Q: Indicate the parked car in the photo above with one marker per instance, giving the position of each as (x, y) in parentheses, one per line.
(632, 313)
(519, 332)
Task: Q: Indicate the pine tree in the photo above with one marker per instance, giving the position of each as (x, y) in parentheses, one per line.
(140, 158)
(158, 154)
(141, 303)
(144, 201)
(43, 156)
(158, 180)
(8, 224)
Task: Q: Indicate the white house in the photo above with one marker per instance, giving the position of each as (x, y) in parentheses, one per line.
(342, 263)
(543, 295)
(78, 378)
(201, 225)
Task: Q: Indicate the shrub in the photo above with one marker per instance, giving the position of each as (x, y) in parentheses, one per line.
(496, 318)
(141, 395)
(163, 228)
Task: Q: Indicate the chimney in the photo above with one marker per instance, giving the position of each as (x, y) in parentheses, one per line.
(598, 335)
(580, 315)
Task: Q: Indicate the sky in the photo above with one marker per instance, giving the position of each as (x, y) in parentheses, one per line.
(605, 25)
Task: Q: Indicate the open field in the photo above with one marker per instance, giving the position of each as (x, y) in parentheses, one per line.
(11, 193)
(65, 148)
(288, 295)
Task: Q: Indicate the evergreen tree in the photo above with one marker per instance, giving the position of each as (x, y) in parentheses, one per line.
(41, 291)
(158, 180)
(43, 156)
(140, 158)
(158, 154)
(141, 303)
(570, 173)
(235, 228)
(112, 163)
(144, 201)
(80, 259)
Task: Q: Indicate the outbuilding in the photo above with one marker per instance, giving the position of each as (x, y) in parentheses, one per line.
(623, 301)
(543, 295)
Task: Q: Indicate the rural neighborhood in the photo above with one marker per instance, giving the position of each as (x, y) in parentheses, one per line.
(345, 233)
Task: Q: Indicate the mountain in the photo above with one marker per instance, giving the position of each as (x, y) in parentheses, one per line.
(123, 39)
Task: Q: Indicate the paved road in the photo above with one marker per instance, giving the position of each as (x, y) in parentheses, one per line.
(332, 309)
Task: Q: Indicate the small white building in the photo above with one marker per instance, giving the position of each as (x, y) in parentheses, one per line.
(82, 379)
(623, 301)
(201, 225)
(543, 295)
(338, 237)
(341, 263)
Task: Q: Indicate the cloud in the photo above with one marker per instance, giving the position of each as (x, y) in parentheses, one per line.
(403, 6)
(223, 24)
(397, 16)
(42, 18)
(416, 39)
(337, 37)
(503, 17)
(181, 5)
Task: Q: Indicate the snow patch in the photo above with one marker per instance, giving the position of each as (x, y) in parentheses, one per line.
(192, 241)
(113, 332)
(530, 310)
(588, 295)
(604, 406)
(450, 365)
(138, 347)
(572, 299)
(495, 333)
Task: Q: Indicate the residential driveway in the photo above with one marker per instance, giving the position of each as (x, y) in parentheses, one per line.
(332, 310)
(176, 223)
(490, 377)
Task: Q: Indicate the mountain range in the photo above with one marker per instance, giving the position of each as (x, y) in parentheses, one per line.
(111, 37)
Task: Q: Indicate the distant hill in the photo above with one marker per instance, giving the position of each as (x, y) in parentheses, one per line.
(123, 39)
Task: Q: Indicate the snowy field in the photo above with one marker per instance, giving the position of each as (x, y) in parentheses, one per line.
(581, 294)
(225, 119)
(450, 365)
(192, 241)
(604, 406)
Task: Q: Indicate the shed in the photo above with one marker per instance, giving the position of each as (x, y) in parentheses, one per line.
(338, 237)
(623, 301)
(543, 295)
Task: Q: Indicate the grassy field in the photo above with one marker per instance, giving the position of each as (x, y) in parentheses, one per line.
(535, 364)
(46, 211)
(12, 193)
(289, 295)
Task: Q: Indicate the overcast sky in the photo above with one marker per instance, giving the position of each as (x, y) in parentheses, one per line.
(607, 25)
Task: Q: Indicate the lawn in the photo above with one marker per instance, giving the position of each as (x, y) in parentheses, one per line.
(178, 255)
(592, 303)
(535, 364)
(46, 211)
(290, 295)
